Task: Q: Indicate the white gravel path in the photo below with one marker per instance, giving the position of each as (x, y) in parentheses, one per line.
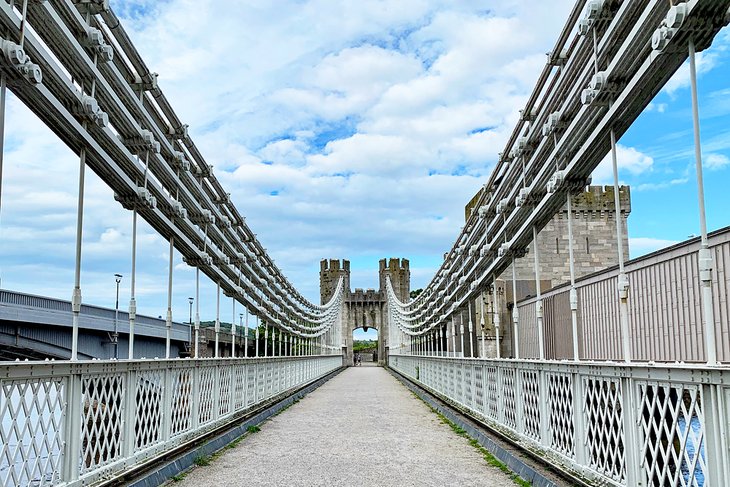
(362, 428)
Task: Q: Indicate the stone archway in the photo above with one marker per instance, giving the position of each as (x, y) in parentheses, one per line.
(371, 354)
(364, 315)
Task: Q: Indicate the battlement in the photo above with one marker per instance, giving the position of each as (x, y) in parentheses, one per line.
(329, 275)
(394, 265)
(334, 265)
(601, 199)
(365, 296)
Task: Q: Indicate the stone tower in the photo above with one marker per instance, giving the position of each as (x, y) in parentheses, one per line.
(364, 308)
(400, 276)
(329, 273)
(594, 247)
(594, 238)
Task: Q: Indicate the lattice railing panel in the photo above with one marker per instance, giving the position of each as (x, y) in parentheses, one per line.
(561, 420)
(509, 395)
(260, 382)
(673, 434)
(31, 432)
(112, 415)
(459, 382)
(149, 401)
(479, 403)
(450, 381)
(656, 435)
(224, 385)
(468, 387)
(251, 385)
(206, 390)
(530, 394)
(604, 419)
(240, 378)
(102, 411)
(268, 381)
(181, 413)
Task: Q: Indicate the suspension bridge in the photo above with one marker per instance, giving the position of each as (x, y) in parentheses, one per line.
(613, 376)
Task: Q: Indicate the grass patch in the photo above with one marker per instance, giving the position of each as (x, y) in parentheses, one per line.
(253, 429)
(234, 443)
(202, 461)
(488, 457)
(286, 407)
(179, 477)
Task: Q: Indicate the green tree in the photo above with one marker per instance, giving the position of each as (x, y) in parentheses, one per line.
(416, 292)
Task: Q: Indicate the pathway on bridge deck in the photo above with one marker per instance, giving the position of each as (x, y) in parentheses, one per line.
(361, 428)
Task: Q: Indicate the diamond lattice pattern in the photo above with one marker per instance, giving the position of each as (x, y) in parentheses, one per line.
(673, 431)
(560, 407)
(182, 404)
(31, 433)
(207, 391)
(531, 404)
(224, 383)
(102, 403)
(510, 398)
(604, 421)
(492, 393)
(150, 390)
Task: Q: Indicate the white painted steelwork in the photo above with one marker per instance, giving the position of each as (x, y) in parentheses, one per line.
(614, 423)
(99, 97)
(612, 59)
(76, 423)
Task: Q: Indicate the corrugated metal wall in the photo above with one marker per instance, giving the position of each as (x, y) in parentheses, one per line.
(527, 331)
(665, 312)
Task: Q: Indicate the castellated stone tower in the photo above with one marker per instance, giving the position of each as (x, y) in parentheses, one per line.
(329, 273)
(364, 308)
(400, 276)
(594, 247)
(594, 238)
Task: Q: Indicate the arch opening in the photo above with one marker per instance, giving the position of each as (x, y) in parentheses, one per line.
(365, 346)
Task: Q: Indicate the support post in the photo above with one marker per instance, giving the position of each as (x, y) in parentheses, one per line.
(573, 290)
(245, 337)
(76, 296)
(538, 303)
(623, 280)
(497, 319)
(132, 300)
(3, 91)
(197, 311)
(168, 316)
(706, 263)
(471, 333)
(217, 328)
(515, 311)
(233, 326)
(266, 339)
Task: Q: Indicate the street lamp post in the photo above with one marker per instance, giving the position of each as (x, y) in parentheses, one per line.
(115, 336)
(190, 325)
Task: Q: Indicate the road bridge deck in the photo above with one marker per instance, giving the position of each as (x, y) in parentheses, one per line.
(360, 428)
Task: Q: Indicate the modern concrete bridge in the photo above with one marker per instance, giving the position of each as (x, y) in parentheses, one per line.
(618, 378)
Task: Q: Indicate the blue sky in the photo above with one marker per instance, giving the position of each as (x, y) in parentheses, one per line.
(354, 129)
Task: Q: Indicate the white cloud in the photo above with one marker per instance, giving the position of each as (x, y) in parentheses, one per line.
(354, 129)
(716, 161)
(705, 62)
(628, 160)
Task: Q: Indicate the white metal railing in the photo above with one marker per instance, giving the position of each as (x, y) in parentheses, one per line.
(66, 423)
(627, 425)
